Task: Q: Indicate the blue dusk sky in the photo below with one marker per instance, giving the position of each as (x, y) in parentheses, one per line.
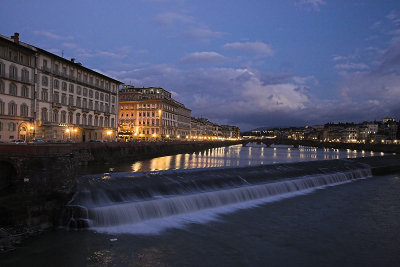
(249, 63)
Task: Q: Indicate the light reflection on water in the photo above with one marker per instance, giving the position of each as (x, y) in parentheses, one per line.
(239, 156)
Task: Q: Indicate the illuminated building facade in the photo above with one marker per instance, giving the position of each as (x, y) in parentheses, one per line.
(49, 97)
(151, 114)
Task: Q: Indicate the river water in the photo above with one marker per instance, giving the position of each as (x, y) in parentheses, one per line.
(348, 222)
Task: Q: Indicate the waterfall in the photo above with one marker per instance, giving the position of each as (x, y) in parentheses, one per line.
(125, 203)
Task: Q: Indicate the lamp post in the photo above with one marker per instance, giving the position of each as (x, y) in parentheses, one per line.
(69, 133)
(109, 134)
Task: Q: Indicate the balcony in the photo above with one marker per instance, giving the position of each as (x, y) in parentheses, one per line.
(71, 108)
(45, 69)
(56, 105)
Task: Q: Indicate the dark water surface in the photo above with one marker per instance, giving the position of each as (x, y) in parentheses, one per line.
(355, 224)
(352, 224)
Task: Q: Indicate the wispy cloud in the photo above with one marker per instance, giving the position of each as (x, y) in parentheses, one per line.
(351, 66)
(51, 35)
(199, 34)
(204, 58)
(313, 4)
(258, 48)
(172, 18)
(80, 52)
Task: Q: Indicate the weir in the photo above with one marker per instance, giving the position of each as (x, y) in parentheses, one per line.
(128, 199)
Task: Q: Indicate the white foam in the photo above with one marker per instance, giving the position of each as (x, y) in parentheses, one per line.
(133, 221)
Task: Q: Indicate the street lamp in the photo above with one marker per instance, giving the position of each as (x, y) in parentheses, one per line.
(69, 133)
(109, 134)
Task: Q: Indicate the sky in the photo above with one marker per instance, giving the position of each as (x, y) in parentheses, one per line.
(250, 63)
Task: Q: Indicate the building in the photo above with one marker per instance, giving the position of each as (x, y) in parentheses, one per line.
(151, 114)
(46, 96)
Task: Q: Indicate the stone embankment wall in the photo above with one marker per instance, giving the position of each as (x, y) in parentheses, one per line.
(387, 148)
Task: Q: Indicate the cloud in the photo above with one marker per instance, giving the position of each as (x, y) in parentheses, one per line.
(204, 58)
(199, 34)
(51, 35)
(79, 52)
(351, 66)
(172, 18)
(258, 48)
(313, 4)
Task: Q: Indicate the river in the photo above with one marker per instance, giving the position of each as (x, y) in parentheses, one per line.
(351, 219)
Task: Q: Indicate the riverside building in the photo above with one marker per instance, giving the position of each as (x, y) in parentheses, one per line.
(151, 114)
(49, 97)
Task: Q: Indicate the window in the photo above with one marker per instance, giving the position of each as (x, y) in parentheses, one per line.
(106, 97)
(90, 120)
(24, 110)
(56, 84)
(101, 96)
(45, 80)
(55, 115)
(91, 80)
(101, 122)
(2, 69)
(45, 94)
(64, 86)
(84, 91)
(84, 119)
(96, 121)
(1, 87)
(12, 109)
(112, 123)
(1, 107)
(44, 63)
(101, 107)
(78, 102)
(71, 88)
(90, 104)
(70, 117)
(71, 100)
(96, 105)
(11, 127)
(78, 90)
(96, 95)
(56, 68)
(13, 89)
(106, 122)
(78, 118)
(44, 115)
(56, 97)
(84, 103)
(63, 116)
(25, 75)
(64, 99)
(24, 91)
(1, 126)
(97, 82)
(91, 93)
(113, 99)
(13, 72)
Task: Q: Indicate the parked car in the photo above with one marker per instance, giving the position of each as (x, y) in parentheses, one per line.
(37, 141)
(18, 141)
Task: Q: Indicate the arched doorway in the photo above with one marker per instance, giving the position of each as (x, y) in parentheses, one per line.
(23, 132)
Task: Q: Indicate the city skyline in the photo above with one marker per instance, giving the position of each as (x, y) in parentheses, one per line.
(251, 64)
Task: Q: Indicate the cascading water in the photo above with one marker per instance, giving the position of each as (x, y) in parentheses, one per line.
(107, 202)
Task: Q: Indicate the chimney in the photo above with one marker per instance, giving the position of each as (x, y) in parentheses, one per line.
(15, 37)
(72, 60)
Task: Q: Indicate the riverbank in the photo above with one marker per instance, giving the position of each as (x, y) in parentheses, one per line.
(37, 204)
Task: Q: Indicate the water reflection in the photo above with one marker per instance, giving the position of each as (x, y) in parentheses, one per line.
(238, 156)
